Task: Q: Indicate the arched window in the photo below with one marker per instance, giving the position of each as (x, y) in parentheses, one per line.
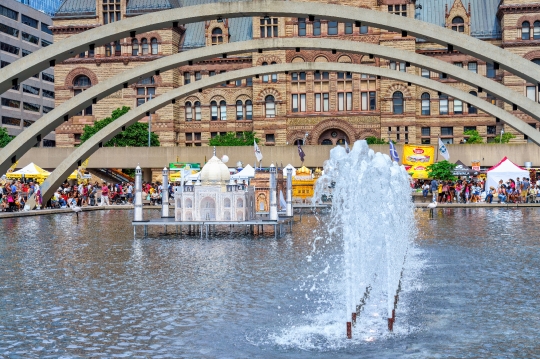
(217, 36)
(249, 110)
(270, 106)
(117, 48)
(135, 47)
(80, 84)
(108, 50)
(274, 76)
(397, 103)
(525, 30)
(223, 110)
(458, 24)
(326, 142)
(214, 110)
(154, 44)
(189, 111)
(426, 104)
(443, 104)
(239, 110)
(144, 44)
(265, 77)
(470, 108)
(536, 30)
(198, 115)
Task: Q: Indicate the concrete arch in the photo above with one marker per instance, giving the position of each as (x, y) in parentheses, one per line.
(26, 140)
(90, 146)
(325, 125)
(40, 60)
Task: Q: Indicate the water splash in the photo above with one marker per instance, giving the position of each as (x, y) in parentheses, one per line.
(373, 214)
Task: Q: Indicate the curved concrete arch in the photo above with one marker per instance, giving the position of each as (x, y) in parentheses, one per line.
(90, 146)
(42, 59)
(26, 140)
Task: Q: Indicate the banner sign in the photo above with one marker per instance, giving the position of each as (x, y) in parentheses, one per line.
(176, 166)
(418, 158)
(476, 165)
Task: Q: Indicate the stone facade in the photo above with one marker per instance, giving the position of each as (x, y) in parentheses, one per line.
(329, 107)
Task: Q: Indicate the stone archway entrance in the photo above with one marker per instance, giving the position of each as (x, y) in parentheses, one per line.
(332, 137)
(208, 209)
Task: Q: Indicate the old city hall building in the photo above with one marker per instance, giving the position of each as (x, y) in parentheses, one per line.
(282, 108)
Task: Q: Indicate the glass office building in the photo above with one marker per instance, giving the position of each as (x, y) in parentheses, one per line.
(49, 7)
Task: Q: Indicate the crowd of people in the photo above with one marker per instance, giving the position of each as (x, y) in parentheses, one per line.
(475, 191)
(14, 194)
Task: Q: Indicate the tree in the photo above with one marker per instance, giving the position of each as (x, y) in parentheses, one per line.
(372, 140)
(442, 170)
(135, 135)
(231, 139)
(5, 138)
(473, 137)
(506, 137)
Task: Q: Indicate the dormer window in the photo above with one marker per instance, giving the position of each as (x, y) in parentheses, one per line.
(217, 36)
(458, 24)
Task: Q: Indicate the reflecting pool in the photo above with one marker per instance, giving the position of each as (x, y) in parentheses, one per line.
(90, 290)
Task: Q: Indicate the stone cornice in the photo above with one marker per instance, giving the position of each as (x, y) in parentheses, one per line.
(99, 60)
(527, 43)
(72, 29)
(517, 9)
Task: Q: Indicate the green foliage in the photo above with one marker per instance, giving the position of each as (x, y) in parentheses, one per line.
(372, 140)
(4, 137)
(442, 170)
(230, 139)
(130, 171)
(506, 137)
(473, 137)
(135, 135)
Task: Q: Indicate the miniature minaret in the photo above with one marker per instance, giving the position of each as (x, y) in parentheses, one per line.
(165, 194)
(273, 194)
(289, 192)
(138, 217)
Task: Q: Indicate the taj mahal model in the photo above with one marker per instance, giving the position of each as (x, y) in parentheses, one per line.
(214, 197)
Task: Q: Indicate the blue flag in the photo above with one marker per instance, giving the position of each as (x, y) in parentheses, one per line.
(393, 152)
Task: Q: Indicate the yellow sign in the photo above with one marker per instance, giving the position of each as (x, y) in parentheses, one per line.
(418, 158)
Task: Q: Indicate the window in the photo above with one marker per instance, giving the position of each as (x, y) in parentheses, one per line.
(249, 81)
(397, 103)
(265, 77)
(4, 64)
(249, 110)
(193, 139)
(238, 83)
(317, 28)
(47, 109)
(402, 66)
(348, 28)
(398, 9)
(443, 104)
(239, 110)
(425, 73)
(47, 77)
(491, 99)
(301, 26)
(364, 29)
(117, 48)
(458, 64)
(11, 121)
(25, 52)
(473, 67)
(223, 110)
(145, 94)
(30, 38)
(45, 28)
(154, 45)
(274, 76)
(270, 106)
(217, 36)
(214, 110)
(198, 75)
(32, 107)
(458, 107)
(111, 11)
(447, 131)
(9, 30)
(299, 103)
(426, 131)
(332, 27)
(11, 103)
(135, 47)
(187, 78)
(28, 123)
(82, 81)
(108, 50)
(458, 24)
(31, 89)
(372, 100)
(470, 108)
(536, 30)
(531, 92)
(80, 84)
(45, 43)
(9, 48)
(269, 27)
(491, 72)
(7, 12)
(144, 45)
(426, 104)
(198, 113)
(188, 111)
(270, 138)
(525, 30)
(27, 20)
(491, 130)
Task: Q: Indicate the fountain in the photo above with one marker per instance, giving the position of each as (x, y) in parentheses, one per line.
(372, 212)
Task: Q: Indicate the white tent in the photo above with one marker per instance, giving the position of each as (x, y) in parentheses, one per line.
(285, 170)
(246, 173)
(504, 170)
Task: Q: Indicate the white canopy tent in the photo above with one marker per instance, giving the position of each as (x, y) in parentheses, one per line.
(246, 173)
(504, 170)
(285, 170)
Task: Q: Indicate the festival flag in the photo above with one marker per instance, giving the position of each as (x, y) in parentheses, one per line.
(443, 150)
(301, 153)
(258, 153)
(347, 149)
(393, 152)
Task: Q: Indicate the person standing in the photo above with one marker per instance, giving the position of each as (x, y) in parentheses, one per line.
(104, 194)
(434, 187)
(525, 186)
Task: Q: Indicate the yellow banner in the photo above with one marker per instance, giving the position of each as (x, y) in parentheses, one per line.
(418, 158)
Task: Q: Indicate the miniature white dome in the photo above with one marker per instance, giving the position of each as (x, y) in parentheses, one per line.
(215, 172)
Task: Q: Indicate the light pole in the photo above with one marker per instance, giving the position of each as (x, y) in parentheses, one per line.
(305, 138)
(502, 131)
(149, 122)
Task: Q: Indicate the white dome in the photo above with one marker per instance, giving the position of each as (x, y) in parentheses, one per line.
(215, 172)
